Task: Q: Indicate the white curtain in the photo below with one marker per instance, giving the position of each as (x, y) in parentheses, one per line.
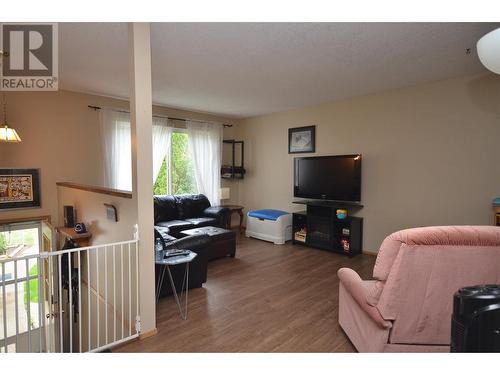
(116, 149)
(162, 133)
(205, 146)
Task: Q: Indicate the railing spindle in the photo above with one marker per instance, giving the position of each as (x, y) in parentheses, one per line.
(16, 305)
(114, 293)
(28, 302)
(4, 309)
(89, 301)
(121, 290)
(60, 302)
(79, 301)
(129, 293)
(51, 301)
(137, 281)
(97, 293)
(41, 298)
(70, 306)
(106, 292)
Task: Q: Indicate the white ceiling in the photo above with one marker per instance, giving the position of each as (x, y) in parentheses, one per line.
(249, 69)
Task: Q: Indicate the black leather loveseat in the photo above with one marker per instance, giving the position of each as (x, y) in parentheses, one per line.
(182, 212)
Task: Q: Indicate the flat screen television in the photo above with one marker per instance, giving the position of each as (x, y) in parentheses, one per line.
(335, 177)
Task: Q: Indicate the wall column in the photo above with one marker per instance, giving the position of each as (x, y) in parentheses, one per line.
(142, 165)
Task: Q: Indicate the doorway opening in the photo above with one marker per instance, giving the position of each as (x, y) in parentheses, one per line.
(20, 280)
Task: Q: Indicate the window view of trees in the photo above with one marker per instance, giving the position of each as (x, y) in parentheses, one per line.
(161, 185)
(16, 238)
(182, 170)
(3, 244)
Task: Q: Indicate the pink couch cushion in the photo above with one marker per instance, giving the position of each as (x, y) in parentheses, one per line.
(418, 295)
(444, 236)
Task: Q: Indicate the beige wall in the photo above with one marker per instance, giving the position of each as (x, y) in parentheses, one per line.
(90, 209)
(430, 154)
(61, 137)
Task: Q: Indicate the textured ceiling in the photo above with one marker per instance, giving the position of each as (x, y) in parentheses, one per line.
(249, 69)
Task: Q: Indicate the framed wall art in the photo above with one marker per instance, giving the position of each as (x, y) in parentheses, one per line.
(302, 140)
(19, 188)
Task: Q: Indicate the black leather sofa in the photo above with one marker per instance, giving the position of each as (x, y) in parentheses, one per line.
(182, 212)
(175, 213)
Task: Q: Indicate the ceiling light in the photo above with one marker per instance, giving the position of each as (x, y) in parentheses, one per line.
(7, 134)
(488, 50)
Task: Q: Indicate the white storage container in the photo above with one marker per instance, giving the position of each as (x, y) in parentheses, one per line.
(269, 225)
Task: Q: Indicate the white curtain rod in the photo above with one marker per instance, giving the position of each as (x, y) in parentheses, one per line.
(97, 108)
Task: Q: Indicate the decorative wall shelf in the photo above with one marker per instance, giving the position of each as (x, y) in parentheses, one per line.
(234, 171)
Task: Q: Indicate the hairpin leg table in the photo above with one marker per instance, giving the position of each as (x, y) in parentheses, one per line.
(173, 261)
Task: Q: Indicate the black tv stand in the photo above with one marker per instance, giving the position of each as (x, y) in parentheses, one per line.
(327, 203)
(320, 228)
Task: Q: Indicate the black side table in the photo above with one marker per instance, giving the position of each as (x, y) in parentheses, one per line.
(173, 261)
(233, 208)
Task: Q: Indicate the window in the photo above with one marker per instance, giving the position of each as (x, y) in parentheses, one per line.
(177, 171)
(191, 165)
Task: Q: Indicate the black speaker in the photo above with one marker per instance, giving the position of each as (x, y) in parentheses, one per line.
(69, 216)
(475, 325)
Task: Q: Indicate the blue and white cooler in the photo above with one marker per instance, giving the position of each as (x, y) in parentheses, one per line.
(270, 225)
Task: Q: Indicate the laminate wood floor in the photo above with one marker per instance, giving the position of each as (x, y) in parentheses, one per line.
(269, 298)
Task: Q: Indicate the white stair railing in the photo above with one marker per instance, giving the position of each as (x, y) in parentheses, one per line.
(75, 300)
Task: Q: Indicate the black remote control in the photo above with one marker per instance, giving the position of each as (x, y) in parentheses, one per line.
(175, 253)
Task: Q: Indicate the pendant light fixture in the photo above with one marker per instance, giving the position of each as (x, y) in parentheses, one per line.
(488, 50)
(7, 134)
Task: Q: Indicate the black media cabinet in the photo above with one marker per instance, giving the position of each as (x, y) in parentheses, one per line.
(325, 231)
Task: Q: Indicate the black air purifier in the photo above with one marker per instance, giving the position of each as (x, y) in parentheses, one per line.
(475, 325)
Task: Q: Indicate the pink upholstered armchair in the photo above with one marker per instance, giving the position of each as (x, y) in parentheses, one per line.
(408, 305)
